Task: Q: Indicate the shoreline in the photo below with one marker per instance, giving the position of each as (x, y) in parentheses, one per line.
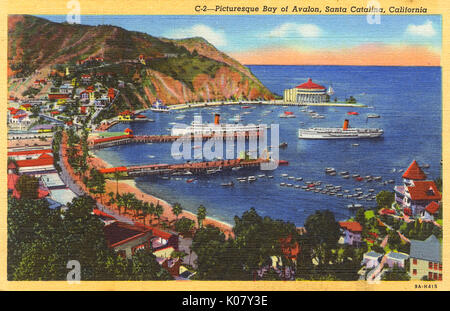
(130, 186)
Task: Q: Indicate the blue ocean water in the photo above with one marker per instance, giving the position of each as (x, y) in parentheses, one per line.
(408, 99)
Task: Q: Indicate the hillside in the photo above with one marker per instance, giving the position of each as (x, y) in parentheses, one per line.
(175, 71)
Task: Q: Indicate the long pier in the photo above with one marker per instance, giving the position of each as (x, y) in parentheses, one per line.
(128, 139)
(188, 168)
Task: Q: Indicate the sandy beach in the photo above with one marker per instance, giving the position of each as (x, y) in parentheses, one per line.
(129, 185)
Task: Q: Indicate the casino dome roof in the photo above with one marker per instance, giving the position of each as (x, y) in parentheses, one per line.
(310, 85)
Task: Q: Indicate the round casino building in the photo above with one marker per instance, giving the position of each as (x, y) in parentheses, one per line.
(308, 92)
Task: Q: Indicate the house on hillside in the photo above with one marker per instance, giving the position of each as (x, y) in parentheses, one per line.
(430, 211)
(416, 193)
(371, 259)
(351, 231)
(126, 238)
(396, 259)
(426, 259)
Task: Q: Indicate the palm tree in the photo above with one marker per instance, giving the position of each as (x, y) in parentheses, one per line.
(116, 177)
(145, 209)
(111, 198)
(129, 200)
(151, 212)
(177, 209)
(119, 201)
(158, 211)
(201, 215)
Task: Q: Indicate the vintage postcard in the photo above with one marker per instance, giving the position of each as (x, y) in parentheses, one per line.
(224, 145)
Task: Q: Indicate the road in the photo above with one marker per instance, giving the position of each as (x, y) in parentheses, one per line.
(79, 192)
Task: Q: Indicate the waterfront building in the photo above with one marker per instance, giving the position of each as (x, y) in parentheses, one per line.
(308, 92)
(416, 193)
(426, 259)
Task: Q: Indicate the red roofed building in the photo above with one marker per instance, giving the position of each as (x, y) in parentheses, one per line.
(414, 172)
(106, 218)
(417, 192)
(310, 86)
(430, 211)
(351, 231)
(308, 92)
(126, 238)
(27, 154)
(41, 165)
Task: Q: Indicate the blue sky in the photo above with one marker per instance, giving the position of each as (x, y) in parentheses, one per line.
(306, 33)
(238, 33)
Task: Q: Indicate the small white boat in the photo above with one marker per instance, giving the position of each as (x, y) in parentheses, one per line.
(237, 168)
(373, 115)
(251, 178)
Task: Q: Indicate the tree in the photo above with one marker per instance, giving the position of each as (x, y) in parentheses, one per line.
(201, 215)
(396, 274)
(217, 258)
(128, 200)
(177, 209)
(145, 267)
(360, 217)
(41, 261)
(184, 225)
(385, 199)
(323, 233)
(28, 187)
(258, 239)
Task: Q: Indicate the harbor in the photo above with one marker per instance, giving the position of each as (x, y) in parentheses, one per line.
(307, 158)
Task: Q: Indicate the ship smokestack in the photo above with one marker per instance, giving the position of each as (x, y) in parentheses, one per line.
(345, 124)
(216, 119)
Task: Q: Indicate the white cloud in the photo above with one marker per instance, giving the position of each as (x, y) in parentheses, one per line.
(293, 29)
(215, 37)
(424, 30)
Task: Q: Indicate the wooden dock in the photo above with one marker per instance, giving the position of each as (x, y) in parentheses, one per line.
(186, 169)
(129, 139)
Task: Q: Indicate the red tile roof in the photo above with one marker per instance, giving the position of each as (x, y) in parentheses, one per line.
(414, 172)
(119, 233)
(44, 159)
(11, 165)
(424, 190)
(310, 85)
(351, 226)
(27, 152)
(432, 208)
(102, 214)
